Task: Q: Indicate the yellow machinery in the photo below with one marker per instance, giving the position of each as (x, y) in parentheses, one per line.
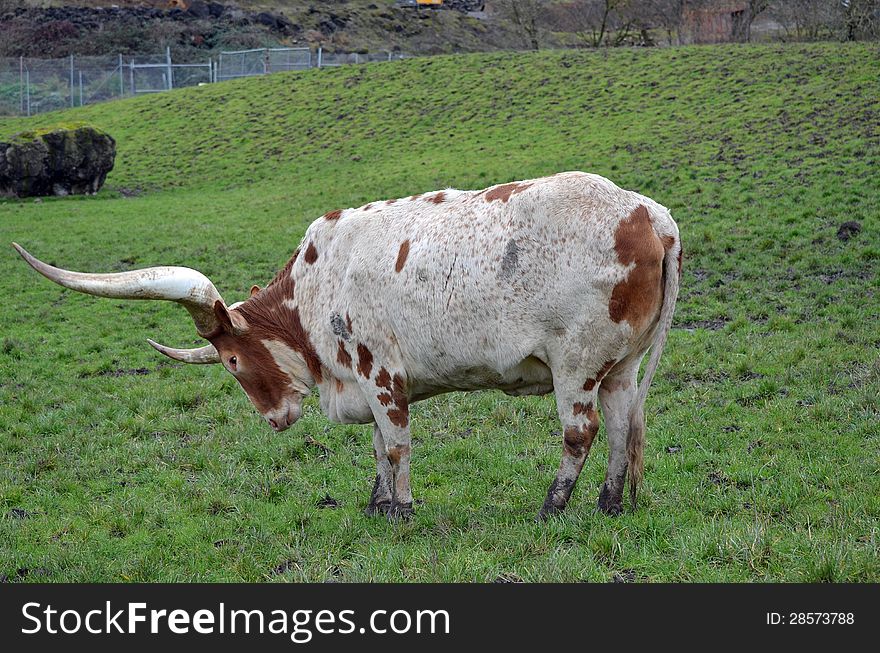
(420, 3)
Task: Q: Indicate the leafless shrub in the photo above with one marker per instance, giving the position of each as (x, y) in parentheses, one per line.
(527, 16)
(806, 20)
(602, 22)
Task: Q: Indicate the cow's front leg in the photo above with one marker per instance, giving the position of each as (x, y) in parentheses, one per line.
(580, 422)
(402, 499)
(380, 500)
(389, 402)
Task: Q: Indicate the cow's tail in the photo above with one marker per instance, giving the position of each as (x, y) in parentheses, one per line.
(635, 440)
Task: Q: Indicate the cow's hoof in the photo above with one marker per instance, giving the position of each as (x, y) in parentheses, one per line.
(400, 511)
(547, 511)
(377, 508)
(611, 506)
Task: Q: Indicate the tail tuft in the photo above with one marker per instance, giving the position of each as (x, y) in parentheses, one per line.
(635, 453)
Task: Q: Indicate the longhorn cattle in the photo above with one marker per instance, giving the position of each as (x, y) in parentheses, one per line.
(556, 284)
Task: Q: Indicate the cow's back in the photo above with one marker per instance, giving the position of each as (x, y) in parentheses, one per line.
(463, 281)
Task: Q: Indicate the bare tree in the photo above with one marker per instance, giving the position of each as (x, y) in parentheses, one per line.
(665, 14)
(527, 17)
(599, 22)
(742, 24)
(861, 19)
(807, 20)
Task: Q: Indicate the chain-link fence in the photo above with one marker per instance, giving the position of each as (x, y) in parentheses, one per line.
(30, 86)
(247, 63)
(343, 58)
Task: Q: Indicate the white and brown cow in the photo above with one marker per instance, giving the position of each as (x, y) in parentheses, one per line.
(555, 284)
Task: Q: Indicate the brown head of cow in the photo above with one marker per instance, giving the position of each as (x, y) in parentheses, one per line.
(251, 342)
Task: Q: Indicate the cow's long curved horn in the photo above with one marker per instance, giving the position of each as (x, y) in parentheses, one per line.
(200, 355)
(188, 287)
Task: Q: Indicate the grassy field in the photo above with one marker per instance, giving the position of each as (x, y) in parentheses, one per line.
(762, 446)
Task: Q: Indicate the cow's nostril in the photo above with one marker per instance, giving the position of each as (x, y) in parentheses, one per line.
(273, 423)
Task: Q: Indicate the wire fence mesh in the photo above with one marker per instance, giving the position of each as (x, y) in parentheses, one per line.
(30, 86)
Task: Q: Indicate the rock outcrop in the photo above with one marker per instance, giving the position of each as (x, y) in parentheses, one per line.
(62, 160)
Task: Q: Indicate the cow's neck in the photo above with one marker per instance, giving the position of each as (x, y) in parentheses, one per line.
(273, 314)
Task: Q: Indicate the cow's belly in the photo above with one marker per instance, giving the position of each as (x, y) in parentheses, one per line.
(529, 377)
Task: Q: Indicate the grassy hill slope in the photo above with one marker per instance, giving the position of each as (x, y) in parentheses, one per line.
(762, 438)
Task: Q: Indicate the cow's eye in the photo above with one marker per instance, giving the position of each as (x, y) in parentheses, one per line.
(233, 362)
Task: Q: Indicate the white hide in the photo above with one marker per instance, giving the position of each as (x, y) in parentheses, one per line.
(493, 294)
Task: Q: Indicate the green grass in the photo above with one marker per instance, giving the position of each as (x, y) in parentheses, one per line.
(762, 446)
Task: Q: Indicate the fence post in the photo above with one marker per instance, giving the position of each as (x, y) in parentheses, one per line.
(71, 80)
(320, 53)
(80, 88)
(27, 79)
(131, 76)
(21, 84)
(121, 78)
(170, 83)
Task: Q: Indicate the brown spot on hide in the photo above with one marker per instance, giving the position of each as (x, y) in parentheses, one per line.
(401, 256)
(637, 298)
(580, 408)
(333, 215)
(396, 453)
(384, 398)
(399, 415)
(577, 440)
(504, 191)
(589, 384)
(668, 242)
(368, 207)
(339, 386)
(438, 198)
(348, 322)
(390, 202)
(254, 290)
(383, 379)
(311, 254)
(365, 360)
(415, 197)
(342, 355)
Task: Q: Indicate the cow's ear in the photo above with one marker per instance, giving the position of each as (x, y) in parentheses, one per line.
(223, 318)
(254, 290)
(232, 322)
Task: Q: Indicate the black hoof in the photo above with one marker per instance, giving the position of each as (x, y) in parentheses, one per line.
(378, 508)
(610, 505)
(547, 511)
(400, 511)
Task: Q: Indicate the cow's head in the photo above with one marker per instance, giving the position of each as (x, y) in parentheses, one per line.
(260, 341)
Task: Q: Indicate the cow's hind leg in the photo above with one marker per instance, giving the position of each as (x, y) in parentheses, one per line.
(380, 500)
(616, 395)
(580, 423)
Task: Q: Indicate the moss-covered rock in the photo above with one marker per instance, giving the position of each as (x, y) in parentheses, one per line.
(68, 159)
